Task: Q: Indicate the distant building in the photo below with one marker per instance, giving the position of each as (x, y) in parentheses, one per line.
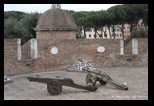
(90, 34)
(140, 24)
(126, 31)
(105, 34)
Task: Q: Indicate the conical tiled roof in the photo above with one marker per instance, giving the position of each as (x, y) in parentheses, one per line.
(56, 19)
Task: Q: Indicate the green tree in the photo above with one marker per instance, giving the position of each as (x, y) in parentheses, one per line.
(78, 20)
(14, 28)
(14, 14)
(20, 25)
(112, 18)
(96, 22)
(135, 12)
(30, 22)
(115, 15)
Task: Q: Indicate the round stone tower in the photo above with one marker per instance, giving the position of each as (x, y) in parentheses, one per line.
(56, 23)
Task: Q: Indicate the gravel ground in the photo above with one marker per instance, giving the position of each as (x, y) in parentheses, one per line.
(135, 77)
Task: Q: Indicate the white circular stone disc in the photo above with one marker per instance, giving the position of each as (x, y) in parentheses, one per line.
(54, 50)
(101, 49)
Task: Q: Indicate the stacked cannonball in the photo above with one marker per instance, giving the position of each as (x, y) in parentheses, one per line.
(81, 64)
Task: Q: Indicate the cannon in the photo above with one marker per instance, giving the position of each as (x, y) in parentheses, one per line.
(95, 75)
(54, 85)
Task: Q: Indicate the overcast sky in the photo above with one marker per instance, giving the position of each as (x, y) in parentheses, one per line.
(28, 8)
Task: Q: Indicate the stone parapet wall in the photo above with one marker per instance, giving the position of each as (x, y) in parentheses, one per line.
(72, 50)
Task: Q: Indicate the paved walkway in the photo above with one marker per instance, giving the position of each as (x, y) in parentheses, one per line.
(135, 77)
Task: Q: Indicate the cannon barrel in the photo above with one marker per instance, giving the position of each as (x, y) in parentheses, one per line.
(86, 70)
(102, 78)
(118, 85)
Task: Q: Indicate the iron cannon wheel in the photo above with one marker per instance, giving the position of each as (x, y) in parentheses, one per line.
(91, 79)
(54, 87)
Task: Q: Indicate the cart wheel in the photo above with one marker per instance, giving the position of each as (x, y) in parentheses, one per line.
(102, 82)
(91, 79)
(54, 87)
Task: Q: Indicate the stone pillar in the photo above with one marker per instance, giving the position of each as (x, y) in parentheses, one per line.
(135, 46)
(121, 47)
(34, 51)
(19, 54)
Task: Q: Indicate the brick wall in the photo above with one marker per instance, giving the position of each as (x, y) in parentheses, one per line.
(10, 55)
(72, 50)
(142, 46)
(69, 52)
(56, 35)
(11, 64)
